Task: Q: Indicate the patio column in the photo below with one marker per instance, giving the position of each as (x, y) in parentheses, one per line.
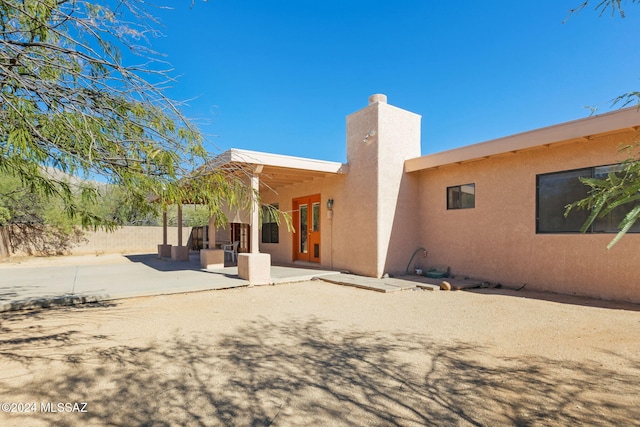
(212, 257)
(164, 250)
(180, 253)
(254, 266)
(255, 214)
(164, 227)
(179, 225)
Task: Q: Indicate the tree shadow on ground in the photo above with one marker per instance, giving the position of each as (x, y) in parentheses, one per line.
(304, 372)
(9, 300)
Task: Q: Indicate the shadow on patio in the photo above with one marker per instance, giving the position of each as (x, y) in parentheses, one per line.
(167, 264)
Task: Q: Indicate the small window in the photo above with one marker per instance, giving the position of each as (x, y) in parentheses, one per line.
(270, 228)
(461, 196)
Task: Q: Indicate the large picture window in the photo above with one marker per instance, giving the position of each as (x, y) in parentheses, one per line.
(557, 190)
(270, 228)
(461, 196)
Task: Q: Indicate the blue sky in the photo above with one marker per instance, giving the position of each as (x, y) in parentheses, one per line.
(280, 76)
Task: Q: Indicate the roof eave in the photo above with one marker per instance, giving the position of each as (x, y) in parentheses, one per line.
(628, 118)
(235, 155)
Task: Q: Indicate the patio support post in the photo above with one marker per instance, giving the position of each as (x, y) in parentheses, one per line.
(211, 257)
(254, 266)
(255, 215)
(164, 227)
(164, 250)
(179, 225)
(180, 253)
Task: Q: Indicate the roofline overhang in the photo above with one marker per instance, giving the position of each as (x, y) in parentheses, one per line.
(235, 155)
(619, 120)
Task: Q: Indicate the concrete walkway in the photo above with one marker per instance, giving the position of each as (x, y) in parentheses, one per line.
(390, 284)
(74, 280)
(67, 282)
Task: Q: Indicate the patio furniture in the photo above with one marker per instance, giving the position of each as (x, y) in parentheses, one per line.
(231, 249)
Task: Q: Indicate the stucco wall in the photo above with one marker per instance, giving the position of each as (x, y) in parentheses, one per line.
(497, 239)
(356, 224)
(380, 219)
(129, 240)
(398, 215)
(373, 229)
(282, 252)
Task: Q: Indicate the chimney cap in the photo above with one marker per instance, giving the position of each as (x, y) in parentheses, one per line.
(378, 97)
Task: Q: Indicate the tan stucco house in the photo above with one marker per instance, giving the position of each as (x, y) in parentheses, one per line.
(491, 210)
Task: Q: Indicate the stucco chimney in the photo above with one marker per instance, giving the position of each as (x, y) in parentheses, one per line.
(378, 97)
(380, 138)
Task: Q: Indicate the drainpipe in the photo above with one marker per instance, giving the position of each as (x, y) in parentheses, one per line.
(414, 254)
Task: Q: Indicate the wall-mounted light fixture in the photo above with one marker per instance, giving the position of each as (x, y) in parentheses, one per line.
(369, 135)
(330, 204)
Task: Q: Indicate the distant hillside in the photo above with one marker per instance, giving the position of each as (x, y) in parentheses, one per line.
(57, 174)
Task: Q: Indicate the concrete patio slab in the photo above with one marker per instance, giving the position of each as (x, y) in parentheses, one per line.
(76, 280)
(422, 282)
(24, 287)
(373, 284)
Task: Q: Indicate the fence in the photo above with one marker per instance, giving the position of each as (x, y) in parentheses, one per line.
(122, 240)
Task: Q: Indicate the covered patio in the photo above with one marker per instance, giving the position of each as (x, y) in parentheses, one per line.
(264, 172)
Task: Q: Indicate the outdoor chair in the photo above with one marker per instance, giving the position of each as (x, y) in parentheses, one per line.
(231, 249)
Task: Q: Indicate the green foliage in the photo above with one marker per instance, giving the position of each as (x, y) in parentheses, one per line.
(21, 205)
(618, 188)
(117, 205)
(192, 216)
(5, 216)
(67, 101)
(37, 225)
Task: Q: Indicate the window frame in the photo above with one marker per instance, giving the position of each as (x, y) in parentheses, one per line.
(599, 225)
(459, 205)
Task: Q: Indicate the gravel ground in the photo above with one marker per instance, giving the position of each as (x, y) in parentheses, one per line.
(317, 354)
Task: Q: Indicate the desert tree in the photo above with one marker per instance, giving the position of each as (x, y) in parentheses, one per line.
(68, 101)
(620, 189)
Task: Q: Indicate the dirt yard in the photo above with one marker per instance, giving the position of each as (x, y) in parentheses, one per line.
(317, 354)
